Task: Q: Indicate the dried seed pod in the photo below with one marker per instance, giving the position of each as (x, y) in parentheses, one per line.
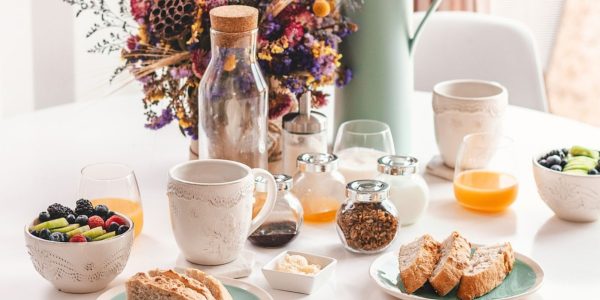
(172, 19)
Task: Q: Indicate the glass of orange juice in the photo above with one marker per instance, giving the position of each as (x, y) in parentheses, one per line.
(115, 186)
(484, 175)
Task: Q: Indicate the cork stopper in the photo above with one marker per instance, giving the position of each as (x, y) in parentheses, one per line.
(234, 18)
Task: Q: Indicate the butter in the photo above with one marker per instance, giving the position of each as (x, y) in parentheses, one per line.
(297, 264)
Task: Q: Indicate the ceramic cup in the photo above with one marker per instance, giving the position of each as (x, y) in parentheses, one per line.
(210, 203)
(462, 107)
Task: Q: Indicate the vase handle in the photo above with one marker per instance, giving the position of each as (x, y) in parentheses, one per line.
(265, 211)
(434, 6)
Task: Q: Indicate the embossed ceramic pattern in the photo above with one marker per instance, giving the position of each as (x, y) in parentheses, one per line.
(572, 197)
(80, 267)
(210, 202)
(463, 107)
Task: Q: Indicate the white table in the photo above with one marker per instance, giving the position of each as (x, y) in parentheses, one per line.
(42, 153)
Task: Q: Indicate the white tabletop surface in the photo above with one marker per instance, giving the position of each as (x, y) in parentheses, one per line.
(42, 153)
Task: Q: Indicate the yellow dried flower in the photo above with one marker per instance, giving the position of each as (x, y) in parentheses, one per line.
(321, 8)
(230, 63)
(264, 55)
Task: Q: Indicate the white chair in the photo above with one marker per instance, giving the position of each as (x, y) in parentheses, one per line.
(459, 45)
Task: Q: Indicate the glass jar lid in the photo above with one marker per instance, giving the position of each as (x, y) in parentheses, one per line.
(397, 165)
(317, 162)
(367, 190)
(284, 182)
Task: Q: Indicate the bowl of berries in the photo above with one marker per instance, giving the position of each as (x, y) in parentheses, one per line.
(568, 180)
(80, 250)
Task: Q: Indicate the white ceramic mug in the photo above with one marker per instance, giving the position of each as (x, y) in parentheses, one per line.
(463, 107)
(210, 202)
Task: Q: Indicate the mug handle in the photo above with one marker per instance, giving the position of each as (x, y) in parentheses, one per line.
(269, 203)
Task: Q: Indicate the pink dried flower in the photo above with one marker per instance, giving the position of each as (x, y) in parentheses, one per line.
(140, 9)
(294, 33)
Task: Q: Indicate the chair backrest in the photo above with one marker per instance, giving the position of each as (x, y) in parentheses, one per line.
(460, 45)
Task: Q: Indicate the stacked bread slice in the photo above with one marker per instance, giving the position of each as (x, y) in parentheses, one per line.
(450, 263)
(170, 285)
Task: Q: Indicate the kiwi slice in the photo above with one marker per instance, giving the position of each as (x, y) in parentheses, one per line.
(94, 232)
(78, 231)
(67, 228)
(105, 236)
(582, 151)
(56, 223)
(576, 172)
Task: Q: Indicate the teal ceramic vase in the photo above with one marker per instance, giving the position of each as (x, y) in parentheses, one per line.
(380, 54)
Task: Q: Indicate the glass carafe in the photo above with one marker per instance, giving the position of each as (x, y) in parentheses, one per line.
(232, 104)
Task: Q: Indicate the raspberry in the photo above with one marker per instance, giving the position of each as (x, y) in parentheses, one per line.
(78, 238)
(95, 221)
(114, 219)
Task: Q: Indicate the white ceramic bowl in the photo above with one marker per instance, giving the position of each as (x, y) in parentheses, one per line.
(574, 198)
(80, 267)
(299, 283)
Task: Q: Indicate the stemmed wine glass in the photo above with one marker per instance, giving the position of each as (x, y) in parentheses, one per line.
(359, 144)
(485, 178)
(115, 186)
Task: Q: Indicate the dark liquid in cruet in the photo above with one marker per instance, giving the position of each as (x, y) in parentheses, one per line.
(274, 234)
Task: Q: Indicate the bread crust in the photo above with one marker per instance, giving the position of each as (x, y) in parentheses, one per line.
(216, 288)
(474, 285)
(185, 280)
(416, 274)
(143, 287)
(458, 251)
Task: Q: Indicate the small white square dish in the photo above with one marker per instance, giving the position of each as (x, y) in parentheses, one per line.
(299, 283)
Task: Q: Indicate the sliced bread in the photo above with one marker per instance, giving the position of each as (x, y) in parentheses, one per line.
(486, 270)
(455, 252)
(417, 261)
(144, 287)
(217, 289)
(189, 282)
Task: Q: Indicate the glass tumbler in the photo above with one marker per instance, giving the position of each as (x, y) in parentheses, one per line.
(484, 174)
(115, 186)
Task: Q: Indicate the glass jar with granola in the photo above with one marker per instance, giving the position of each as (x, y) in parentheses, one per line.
(368, 221)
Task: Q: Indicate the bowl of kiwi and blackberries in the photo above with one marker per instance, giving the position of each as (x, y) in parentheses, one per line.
(79, 250)
(568, 180)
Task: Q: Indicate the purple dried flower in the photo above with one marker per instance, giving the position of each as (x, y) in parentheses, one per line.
(344, 77)
(180, 72)
(159, 122)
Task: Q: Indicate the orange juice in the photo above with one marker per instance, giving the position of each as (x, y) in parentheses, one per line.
(485, 190)
(130, 208)
(320, 209)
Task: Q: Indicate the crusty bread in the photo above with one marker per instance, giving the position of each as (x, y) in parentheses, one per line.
(216, 288)
(170, 285)
(486, 270)
(143, 287)
(454, 258)
(187, 281)
(417, 261)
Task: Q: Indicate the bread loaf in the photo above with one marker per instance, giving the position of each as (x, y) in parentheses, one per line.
(417, 261)
(486, 270)
(455, 252)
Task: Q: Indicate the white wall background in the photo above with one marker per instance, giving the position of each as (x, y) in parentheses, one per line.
(43, 58)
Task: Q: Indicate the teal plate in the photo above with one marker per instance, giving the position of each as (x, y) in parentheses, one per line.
(525, 278)
(239, 290)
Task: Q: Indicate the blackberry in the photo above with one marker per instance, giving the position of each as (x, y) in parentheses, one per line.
(57, 211)
(84, 207)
